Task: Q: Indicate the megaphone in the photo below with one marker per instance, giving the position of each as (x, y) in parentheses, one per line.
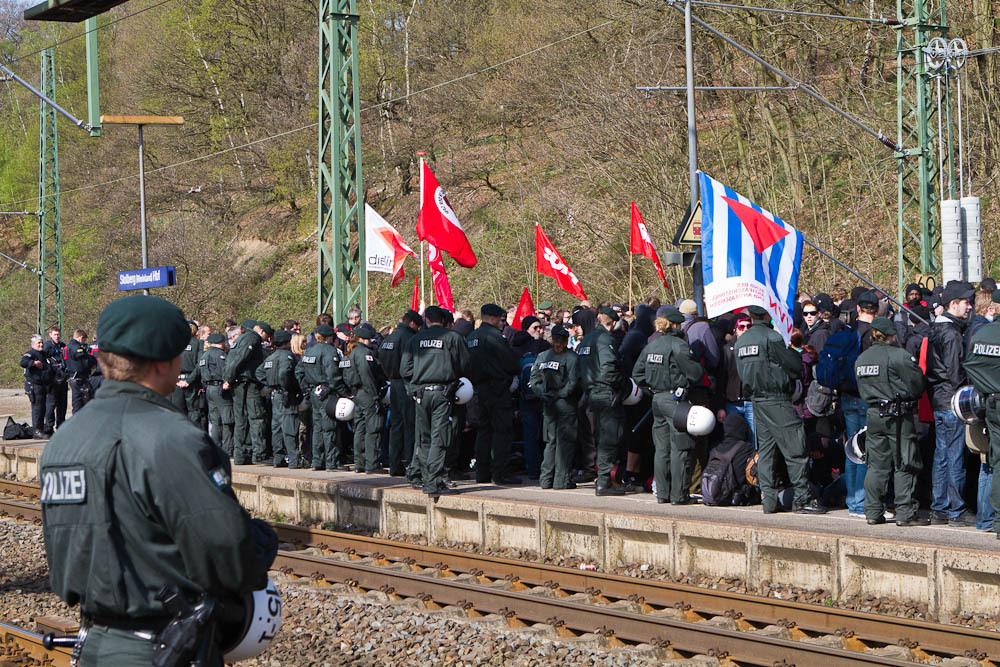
(261, 625)
(969, 405)
(856, 448)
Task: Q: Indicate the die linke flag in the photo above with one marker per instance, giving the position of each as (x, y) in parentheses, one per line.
(549, 262)
(749, 256)
(442, 288)
(385, 249)
(438, 224)
(525, 307)
(642, 244)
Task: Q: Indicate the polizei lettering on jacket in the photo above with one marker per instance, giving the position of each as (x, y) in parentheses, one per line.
(654, 358)
(64, 486)
(867, 371)
(749, 351)
(438, 343)
(986, 350)
(549, 365)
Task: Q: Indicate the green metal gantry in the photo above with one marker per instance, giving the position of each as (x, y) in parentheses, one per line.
(919, 235)
(50, 275)
(340, 232)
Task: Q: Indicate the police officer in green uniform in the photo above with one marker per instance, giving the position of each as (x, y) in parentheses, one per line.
(604, 381)
(555, 377)
(209, 373)
(248, 407)
(367, 382)
(319, 374)
(278, 374)
(136, 498)
(768, 370)
(402, 418)
(982, 363)
(185, 396)
(891, 382)
(493, 368)
(432, 363)
(667, 367)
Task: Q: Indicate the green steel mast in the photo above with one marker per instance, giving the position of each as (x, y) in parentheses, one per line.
(919, 235)
(50, 278)
(339, 187)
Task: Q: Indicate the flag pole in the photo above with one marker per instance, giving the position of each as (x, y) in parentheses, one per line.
(422, 299)
(536, 264)
(630, 280)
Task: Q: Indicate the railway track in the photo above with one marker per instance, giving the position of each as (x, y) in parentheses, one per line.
(678, 620)
(23, 647)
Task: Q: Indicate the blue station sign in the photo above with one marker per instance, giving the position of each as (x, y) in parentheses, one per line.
(156, 276)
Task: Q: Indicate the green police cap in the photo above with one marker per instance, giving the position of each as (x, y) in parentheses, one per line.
(757, 310)
(249, 324)
(869, 299)
(266, 328)
(143, 326)
(559, 331)
(885, 325)
(996, 296)
(610, 313)
(281, 337)
(673, 315)
(492, 310)
(325, 330)
(216, 338)
(545, 305)
(364, 330)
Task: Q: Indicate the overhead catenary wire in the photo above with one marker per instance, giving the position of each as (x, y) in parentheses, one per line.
(793, 12)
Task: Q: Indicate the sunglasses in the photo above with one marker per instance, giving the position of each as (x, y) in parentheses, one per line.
(742, 327)
(807, 313)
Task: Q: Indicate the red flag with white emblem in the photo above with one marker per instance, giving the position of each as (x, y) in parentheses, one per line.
(642, 244)
(549, 262)
(442, 288)
(438, 223)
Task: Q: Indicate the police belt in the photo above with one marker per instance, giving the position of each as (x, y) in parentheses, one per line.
(145, 628)
(212, 383)
(904, 406)
(277, 390)
(183, 376)
(434, 387)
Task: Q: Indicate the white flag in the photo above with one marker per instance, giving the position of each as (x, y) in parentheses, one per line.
(385, 249)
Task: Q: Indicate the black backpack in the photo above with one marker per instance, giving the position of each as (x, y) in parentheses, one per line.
(725, 472)
(14, 431)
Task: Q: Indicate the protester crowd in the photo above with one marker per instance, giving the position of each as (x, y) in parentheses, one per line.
(565, 397)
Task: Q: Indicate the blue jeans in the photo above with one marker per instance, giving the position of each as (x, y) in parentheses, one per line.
(855, 418)
(985, 511)
(744, 408)
(948, 469)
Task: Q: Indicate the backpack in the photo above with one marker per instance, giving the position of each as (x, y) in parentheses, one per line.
(725, 472)
(14, 431)
(835, 368)
(527, 393)
(819, 400)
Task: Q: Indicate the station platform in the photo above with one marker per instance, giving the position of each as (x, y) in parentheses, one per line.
(953, 571)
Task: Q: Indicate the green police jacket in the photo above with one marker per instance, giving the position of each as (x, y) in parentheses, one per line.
(320, 365)
(767, 367)
(555, 375)
(278, 371)
(884, 371)
(211, 366)
(135, 497)
(667, 363)
(434, 356)
(390, 352)
(367, 372)
(600, 364)
(244, 358)
(493, 360)
(982, 362)
(191, 355)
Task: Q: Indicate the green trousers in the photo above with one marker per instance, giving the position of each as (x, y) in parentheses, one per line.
(496, 424)
(106, 646)
(779, 429)
(885, 461)
(249, 441)
(672, 457)
(401, 428)
(325, 451)
(559, 433)
(285, 429)
(608, 419)
(220, 416)
(434, 435)
(993, 424)
(367, 427)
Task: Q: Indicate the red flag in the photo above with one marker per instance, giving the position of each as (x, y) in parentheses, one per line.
(415, 301)
(439, 225)
(549, 262)
(643, 244)
(524, 308)
(442, 289)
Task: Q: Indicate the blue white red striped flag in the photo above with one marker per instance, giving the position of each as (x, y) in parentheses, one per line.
(749, 256)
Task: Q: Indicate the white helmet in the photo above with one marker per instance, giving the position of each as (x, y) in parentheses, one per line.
(341, 409)
(385, 397)
(694, 420)
(464, 392)
(515, 383)
(260, 626)
(968, 404)
(856, 448)
(634, 394)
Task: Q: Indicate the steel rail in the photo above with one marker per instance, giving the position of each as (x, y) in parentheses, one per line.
(881, 629)
(30, 643)
(699, 638)
(26, 489)
(26, 511)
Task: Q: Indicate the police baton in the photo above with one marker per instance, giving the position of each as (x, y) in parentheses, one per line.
(641, 421)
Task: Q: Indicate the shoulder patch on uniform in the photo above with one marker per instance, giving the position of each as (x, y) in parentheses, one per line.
(345, 363)
(203, 361)
(583, 351)
(268, 364)
(748, 351)
(474, 342)
(549, 365)
(388, 345)
(654, 358)
(868, 371)
(64, 486)
(188, 348)
(309, 360)
(432, 342)
(369, 357)
(219, 477)
(981, 349)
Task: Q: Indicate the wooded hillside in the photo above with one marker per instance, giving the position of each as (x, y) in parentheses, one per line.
(528, 112)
